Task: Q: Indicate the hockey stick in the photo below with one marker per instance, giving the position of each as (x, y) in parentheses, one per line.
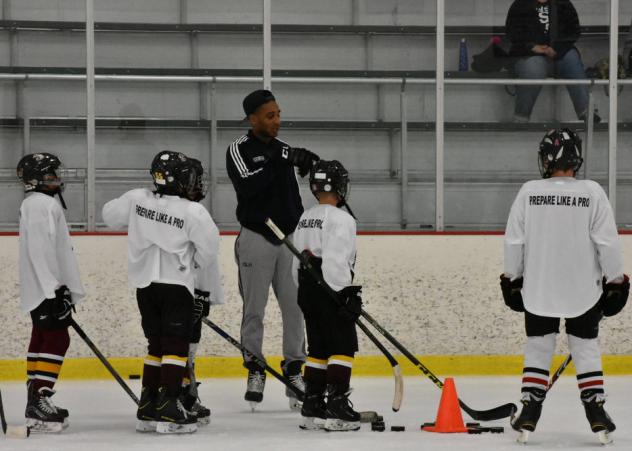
(506, 410)
(397, 372)
(262, 363)
(365, 417)
(103, 360)
(12, 431)
(559, 371)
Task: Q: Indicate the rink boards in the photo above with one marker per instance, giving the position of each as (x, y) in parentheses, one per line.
(437, 294)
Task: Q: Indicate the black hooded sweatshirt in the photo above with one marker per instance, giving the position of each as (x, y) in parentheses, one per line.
(531, 23)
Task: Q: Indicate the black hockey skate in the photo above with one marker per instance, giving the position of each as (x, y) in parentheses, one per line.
(191, 403)
(146, 413)
(527, 420)
(30, 389)
(340, 413)
(171, 417)
(314, 409)
(293, 372)
(256, 384)
(41, 414)
(600, 422)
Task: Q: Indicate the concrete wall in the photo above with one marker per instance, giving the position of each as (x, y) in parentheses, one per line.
(436, 294)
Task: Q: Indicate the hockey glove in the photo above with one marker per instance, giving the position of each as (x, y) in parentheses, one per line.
(62, 305)
(201, 305)
(614, 296)
(351, 302)
(512, 293)
(303, 159)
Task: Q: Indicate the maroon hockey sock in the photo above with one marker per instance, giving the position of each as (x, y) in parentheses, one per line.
(339, 370)
(315, 374)
(33, 352)
(151, 372)
(172, 371)
(173, 365)
(50, 358)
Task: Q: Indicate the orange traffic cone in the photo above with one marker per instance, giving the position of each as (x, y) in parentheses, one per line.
(449, 418)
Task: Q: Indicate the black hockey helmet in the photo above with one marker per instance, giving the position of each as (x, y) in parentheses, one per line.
(33, 169)
(329, 176)
(198, 190)
(173, 174)
(560, 149)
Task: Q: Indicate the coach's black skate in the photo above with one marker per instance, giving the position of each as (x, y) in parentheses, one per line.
(256, 384)
(193, 406)
(171, 417)
(527, 420)
(600, 422)
(41, 414)
(314, 409)
(340, 413)
(293, 372)
(146, 413)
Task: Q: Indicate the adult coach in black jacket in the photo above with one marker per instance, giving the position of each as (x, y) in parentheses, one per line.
(543, 35)
(262, 169)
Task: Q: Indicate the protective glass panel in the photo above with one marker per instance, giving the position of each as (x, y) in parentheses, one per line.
(624, 142)
(366, 50)
(494, 124)
(180, 70)
(34, 113)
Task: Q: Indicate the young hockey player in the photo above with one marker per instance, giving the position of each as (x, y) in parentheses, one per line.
(560, 241)
(327, 234)
(208, 290)
(168, 236)
(49, 285)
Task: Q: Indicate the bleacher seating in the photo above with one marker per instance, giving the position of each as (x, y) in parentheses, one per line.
(486, 156)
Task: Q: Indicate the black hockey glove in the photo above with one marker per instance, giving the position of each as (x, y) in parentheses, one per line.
(614, 296)
(351, 302)
(512, 293)
(303, 159)
(62, 305)
(201, 305)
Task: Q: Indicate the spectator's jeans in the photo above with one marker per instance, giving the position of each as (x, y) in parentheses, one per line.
(570, 66)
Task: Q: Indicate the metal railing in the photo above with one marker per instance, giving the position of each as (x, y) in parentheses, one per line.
(439, 81)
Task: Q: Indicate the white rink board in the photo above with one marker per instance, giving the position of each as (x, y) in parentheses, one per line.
(436, 294)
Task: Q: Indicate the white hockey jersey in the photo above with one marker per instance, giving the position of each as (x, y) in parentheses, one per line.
(47, 260)
(328, 233)
(167, 237)
(561, 236)
(208, 279)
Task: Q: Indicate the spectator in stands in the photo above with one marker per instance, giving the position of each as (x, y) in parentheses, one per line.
(543, 35)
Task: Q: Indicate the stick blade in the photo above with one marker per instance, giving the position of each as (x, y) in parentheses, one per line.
(399, 388)
(497, 413)
(18, 431)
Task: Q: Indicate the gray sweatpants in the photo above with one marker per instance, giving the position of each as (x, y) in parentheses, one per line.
(260, 264)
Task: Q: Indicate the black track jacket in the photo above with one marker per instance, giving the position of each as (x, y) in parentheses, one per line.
(524, 29)
(265, 184)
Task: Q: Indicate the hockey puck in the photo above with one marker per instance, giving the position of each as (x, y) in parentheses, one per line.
(398, 428)
(378, 426)
(133, 377)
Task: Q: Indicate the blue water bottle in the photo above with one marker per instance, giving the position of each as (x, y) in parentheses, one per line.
(463, 59)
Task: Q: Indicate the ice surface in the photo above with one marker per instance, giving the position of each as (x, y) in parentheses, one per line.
(102, 417)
